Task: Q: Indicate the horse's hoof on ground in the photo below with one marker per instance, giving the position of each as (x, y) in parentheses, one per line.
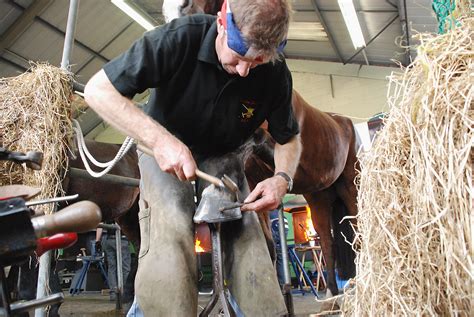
(330, 307)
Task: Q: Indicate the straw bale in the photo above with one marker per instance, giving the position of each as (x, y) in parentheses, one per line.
(35, 115)
(415, 239)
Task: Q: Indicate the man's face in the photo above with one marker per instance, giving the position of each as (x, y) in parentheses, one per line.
(232, 62)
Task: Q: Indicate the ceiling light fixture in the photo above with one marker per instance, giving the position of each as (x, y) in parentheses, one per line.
(352, 22)
(136, 13)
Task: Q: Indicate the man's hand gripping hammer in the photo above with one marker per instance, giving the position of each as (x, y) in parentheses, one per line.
(224, 182)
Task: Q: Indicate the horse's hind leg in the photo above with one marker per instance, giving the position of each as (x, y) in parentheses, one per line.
(321, 207)
(346, 206)
(345, 186)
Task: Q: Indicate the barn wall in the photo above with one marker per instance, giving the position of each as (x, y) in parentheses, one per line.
(357, 91)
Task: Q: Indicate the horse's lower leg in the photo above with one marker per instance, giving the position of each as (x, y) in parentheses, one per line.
(345, 186)
(321, 206)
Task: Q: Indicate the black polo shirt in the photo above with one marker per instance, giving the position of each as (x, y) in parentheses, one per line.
(211, 111)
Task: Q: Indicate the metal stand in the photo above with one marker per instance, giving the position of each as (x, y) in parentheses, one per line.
(87, 261)
(286, 288)
(317, 254)
(118, 249)
(118, 258)
(298, 267)
(221, 292)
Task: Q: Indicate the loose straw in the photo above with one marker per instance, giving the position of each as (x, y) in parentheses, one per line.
(414, 239)
(35, 115)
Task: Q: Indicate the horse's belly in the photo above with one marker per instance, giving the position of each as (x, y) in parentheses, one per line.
(320, 168)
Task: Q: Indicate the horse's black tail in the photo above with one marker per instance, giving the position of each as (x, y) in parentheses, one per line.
(345, 255)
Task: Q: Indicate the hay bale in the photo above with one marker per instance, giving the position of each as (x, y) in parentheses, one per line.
(415, 241)
(35, 115)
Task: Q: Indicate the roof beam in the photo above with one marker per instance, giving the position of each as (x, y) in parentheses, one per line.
(15, 59)
(328, 32)
(404, 21)
(11, 63)
(105, 46)
(392, 4)
(372, 39)
(59, 31)
(78, 43)
(22, 23)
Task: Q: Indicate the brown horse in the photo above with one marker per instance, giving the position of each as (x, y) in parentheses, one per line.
(325, 177)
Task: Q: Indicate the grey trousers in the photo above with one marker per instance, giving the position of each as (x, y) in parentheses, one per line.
(166, 281)
(110, 249)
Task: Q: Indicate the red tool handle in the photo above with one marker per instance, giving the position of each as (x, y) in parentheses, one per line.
(58, 241)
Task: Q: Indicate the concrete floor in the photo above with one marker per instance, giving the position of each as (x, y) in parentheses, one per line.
(95, 304)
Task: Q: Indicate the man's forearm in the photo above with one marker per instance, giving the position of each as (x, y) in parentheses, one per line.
(287, 156)
(172, 155)
(121, 112)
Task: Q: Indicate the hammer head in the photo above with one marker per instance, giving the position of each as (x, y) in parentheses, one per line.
(231, 186)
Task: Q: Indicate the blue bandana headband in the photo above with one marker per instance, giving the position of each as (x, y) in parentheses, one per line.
(235, 40)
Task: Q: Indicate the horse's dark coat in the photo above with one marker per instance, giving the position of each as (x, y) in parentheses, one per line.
(115, 201)
(325, 177)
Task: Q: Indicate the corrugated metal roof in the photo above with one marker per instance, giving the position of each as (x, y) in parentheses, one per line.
(103, 31)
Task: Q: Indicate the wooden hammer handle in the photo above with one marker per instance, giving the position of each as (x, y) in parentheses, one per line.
(79, 217)
(211, 179)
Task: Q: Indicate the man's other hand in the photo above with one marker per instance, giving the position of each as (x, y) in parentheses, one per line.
(267, 195)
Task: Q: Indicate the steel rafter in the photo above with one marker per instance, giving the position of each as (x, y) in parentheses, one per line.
(22, 23)
(372, 39)
(105, 46)
(59, 31)
(328, 32)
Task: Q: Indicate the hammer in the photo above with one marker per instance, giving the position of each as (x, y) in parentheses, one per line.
(224, 182)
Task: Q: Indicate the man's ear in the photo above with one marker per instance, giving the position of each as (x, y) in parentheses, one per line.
(220, 25)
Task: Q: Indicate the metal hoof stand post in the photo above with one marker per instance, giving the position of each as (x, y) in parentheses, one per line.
(221, 292)
(286, 287)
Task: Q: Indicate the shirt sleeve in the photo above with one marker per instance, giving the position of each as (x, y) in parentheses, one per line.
(144, 65)
(282, 123)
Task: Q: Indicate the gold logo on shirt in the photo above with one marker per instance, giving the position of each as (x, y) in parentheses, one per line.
(248, 110)
(248, 113)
